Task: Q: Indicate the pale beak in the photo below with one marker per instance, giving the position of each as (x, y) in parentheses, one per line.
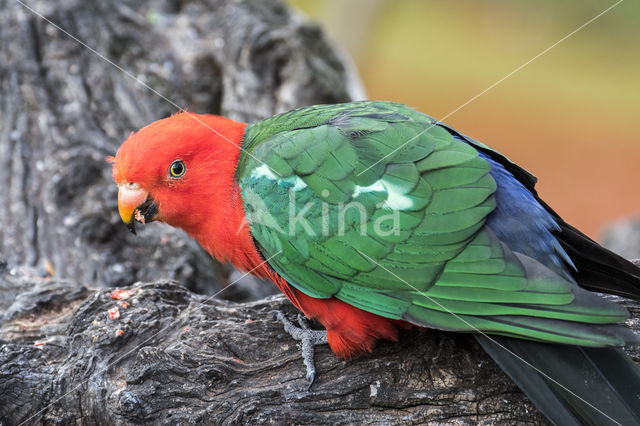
(135, 203)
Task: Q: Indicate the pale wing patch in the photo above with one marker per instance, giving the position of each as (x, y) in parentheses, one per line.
(395, 199)
(264, 171)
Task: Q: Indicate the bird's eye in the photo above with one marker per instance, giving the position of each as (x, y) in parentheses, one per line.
(177, 169)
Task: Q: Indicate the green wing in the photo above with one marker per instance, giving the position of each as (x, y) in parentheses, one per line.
(380, 206)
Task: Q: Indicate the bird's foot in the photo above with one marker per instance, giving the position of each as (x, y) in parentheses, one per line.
(309, 339)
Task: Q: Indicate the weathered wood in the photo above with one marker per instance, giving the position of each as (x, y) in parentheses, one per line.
(63, 109)
(183, 359)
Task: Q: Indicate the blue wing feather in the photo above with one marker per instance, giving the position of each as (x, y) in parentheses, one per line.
(522, 223)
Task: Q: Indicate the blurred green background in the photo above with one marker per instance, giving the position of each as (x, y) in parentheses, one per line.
(571, 117)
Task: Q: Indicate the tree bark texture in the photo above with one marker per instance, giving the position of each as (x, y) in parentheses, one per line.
(70, 353)
(175, 357)
(64, 109)
(165, 355)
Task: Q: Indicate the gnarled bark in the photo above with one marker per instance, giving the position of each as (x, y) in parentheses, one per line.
(175, 357)
(64, 109)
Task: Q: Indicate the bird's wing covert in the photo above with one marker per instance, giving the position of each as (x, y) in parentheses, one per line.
(380, 206)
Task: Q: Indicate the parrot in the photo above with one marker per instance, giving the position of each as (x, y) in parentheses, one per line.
(371, 216)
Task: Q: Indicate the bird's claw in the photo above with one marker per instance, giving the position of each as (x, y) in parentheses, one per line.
(308, 338)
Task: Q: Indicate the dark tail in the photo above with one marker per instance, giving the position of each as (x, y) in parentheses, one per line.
(599, 269)
(604, 377)
(594, 386)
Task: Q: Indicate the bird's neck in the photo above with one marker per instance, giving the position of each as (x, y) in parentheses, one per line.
(227, 236)
(219, 222)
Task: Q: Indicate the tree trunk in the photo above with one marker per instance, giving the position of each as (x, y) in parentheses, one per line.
(71, 353)
(64, 109)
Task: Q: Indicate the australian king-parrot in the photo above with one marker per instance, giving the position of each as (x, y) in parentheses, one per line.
(371, 215)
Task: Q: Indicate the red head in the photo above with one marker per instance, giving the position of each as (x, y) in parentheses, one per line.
(180, 170)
